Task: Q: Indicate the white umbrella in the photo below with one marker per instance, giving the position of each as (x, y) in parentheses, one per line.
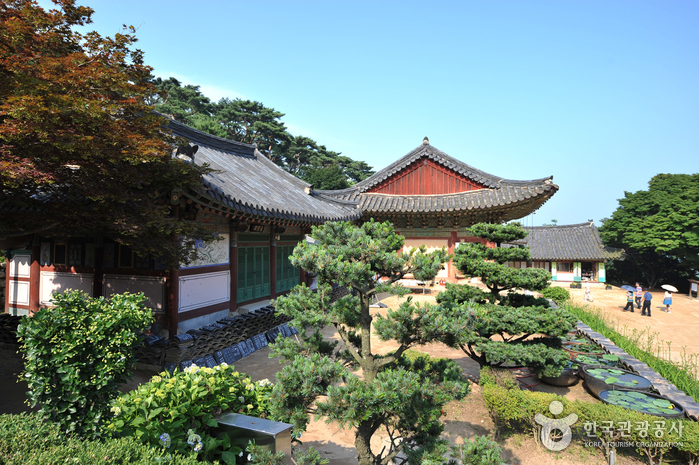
(668, 287)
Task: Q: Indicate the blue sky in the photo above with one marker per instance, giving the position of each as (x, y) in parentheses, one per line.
(602, 95)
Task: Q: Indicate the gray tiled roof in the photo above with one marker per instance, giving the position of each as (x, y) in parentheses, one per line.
(498, 193)
(568, 242)
(247, 182)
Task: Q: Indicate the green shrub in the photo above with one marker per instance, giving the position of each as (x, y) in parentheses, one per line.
(515, 408)
(433, 369)
(557, 294)
(77, 353)
(456, 294)
(175, 413)
(27, 440)
(260, 455)
(481, 450)
(514, 299)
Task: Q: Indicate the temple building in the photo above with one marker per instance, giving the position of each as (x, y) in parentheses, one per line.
(259, 212)
(570, 252)
(431, 198)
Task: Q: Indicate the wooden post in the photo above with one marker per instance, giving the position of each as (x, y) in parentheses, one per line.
(34, 275)
(98, 281)
(173, 290)
(272, 264)
(451, 245)
(7, 281)
(234, 268)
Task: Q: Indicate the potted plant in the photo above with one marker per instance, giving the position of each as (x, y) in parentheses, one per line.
(568, 376)
(600, 378)
(583, 360)
(643, 402)
(575, 348)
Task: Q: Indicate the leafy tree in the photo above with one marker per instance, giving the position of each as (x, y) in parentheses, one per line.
(253, 123)
(326, 177)
(185, 104)
(401, 395)
(659, 230)
(474, 259)
(494, 335)
(80, 149)
(355, 170)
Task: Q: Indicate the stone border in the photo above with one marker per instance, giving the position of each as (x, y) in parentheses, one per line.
(660, 384)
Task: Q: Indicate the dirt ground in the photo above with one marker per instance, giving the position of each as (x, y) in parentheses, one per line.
(466, 418)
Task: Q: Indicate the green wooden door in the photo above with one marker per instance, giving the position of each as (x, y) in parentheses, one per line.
(287, 275)
(253, 273)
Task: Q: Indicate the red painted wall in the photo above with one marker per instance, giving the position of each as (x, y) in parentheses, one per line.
(425, 177)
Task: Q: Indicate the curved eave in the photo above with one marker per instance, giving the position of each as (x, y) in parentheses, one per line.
(483, 199)
(214, 200)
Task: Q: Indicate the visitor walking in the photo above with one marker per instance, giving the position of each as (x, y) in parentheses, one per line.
(667, 301)
(647, 297)
(629, 301)
(588, 291)
(639, 295)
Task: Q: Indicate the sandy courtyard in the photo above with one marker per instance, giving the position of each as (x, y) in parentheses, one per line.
(674, 333)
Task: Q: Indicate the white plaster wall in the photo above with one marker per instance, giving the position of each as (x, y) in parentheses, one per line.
(153, 287)
(51, 282)
(560, 276)
(202, 290)
(19, 266)
(18, 293)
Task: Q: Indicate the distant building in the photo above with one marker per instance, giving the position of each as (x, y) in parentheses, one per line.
(570, 252)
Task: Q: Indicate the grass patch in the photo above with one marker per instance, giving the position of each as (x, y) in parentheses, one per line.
(646, 347)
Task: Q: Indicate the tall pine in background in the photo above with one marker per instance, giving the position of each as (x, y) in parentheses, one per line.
(253, 123)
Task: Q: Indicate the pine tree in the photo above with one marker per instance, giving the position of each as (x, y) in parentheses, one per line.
(401, 396)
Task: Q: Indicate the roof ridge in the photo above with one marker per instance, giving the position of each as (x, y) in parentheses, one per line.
(453, 164)
(196, 135)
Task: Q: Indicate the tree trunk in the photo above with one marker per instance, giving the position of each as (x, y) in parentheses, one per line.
(369, 367)
(362, 442)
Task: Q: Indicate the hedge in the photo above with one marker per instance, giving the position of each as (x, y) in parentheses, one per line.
(511, 407)
(25, 439)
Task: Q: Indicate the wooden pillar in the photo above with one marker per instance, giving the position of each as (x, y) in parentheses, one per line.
(173, 290)
(34, 276)
(173, 294)
(234, 269)
(98, 280)
(7, 281)
(451, 246)
(272, 264)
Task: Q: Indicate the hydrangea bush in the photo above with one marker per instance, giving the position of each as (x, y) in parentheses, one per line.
(77, 353)
(176, 412)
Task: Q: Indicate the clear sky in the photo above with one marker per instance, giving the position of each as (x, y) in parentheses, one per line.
(602, 95)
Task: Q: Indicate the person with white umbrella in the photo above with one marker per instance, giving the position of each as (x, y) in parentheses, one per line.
(667, 301)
